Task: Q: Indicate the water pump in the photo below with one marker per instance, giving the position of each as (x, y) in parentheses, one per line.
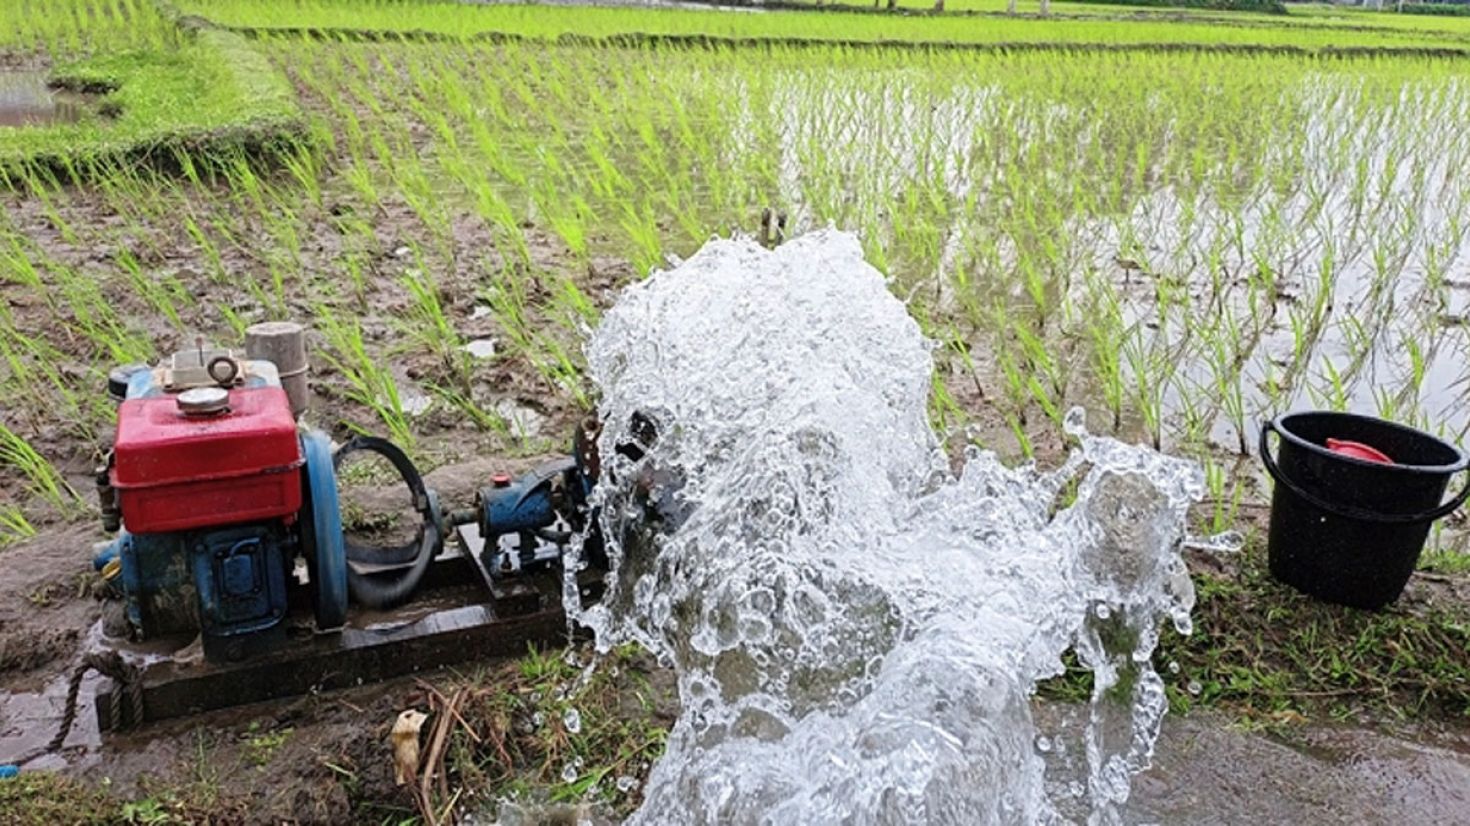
(218, 493)
(229, 515)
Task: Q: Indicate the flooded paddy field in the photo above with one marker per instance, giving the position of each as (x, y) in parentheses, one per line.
(1182, 253)
(1180, 244)
(26, 99)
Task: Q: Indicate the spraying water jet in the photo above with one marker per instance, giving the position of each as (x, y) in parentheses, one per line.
(856, 629)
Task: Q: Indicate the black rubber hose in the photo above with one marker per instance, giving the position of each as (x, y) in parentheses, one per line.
(391, 588)
(397, 554)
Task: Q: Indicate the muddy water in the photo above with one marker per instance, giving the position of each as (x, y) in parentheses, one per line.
(26, 100)
(28, 721)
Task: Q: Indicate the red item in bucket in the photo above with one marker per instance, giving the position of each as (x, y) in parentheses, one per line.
(1358, 450)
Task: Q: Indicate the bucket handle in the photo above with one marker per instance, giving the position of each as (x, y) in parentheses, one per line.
(1348, 511)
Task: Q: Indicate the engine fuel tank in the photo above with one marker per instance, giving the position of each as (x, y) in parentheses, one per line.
(178, 468)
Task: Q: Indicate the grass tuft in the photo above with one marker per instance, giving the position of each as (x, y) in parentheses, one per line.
(1268, 655)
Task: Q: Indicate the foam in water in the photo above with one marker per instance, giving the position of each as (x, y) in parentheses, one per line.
(856, 629)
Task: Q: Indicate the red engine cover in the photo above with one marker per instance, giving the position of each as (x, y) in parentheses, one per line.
(175, 472)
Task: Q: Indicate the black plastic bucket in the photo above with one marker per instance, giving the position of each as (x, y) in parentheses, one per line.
(1349, 530)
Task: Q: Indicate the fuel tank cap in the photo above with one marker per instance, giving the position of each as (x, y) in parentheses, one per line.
(204, 401)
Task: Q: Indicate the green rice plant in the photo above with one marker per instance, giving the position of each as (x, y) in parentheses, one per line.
(1177, 238)
(370, 384)
(14, 527)
(945, 414)
(483, 419)
(1150, 371)
(457, 21)
(1333, 393)
(551, 359)
(1023, 441)
(1224, 504)
(428, 324)
(642, 230)
(40, 477)
(164, 295)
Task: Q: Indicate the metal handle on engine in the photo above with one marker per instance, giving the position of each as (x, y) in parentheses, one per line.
(224, 370)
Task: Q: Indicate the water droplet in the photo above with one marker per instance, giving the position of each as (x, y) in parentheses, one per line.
(569, 773)
(1043, 743)
(1075, 422)
(1226, 542)
(1194, 687)
(1173, 666)
(1102, 611)
(626, 783)
(572, 720)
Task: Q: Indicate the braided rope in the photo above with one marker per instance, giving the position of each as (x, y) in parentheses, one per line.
(69, 715)
(126, 681)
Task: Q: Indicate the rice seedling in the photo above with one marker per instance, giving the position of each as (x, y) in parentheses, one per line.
(14, 527)
(448, 19)
(1186, 242)
(40, 477)
(370, 384)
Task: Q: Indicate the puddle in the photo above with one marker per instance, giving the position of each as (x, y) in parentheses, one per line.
(25, 100)
(480, 348)
(411, 399)
(524, 422)
(28, 722)
(1208, 771)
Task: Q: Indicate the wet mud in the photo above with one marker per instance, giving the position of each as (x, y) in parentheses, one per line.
(1209, 771)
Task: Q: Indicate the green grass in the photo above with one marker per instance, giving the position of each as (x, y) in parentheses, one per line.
(618, 727)
(1445, 562)
(260, 745)
(460, 20)
(44, 798)
(211, 90)
(1270, 655)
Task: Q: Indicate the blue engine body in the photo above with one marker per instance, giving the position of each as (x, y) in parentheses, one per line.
(230, 583)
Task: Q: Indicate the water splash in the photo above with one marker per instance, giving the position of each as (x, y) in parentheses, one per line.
(856, 629)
